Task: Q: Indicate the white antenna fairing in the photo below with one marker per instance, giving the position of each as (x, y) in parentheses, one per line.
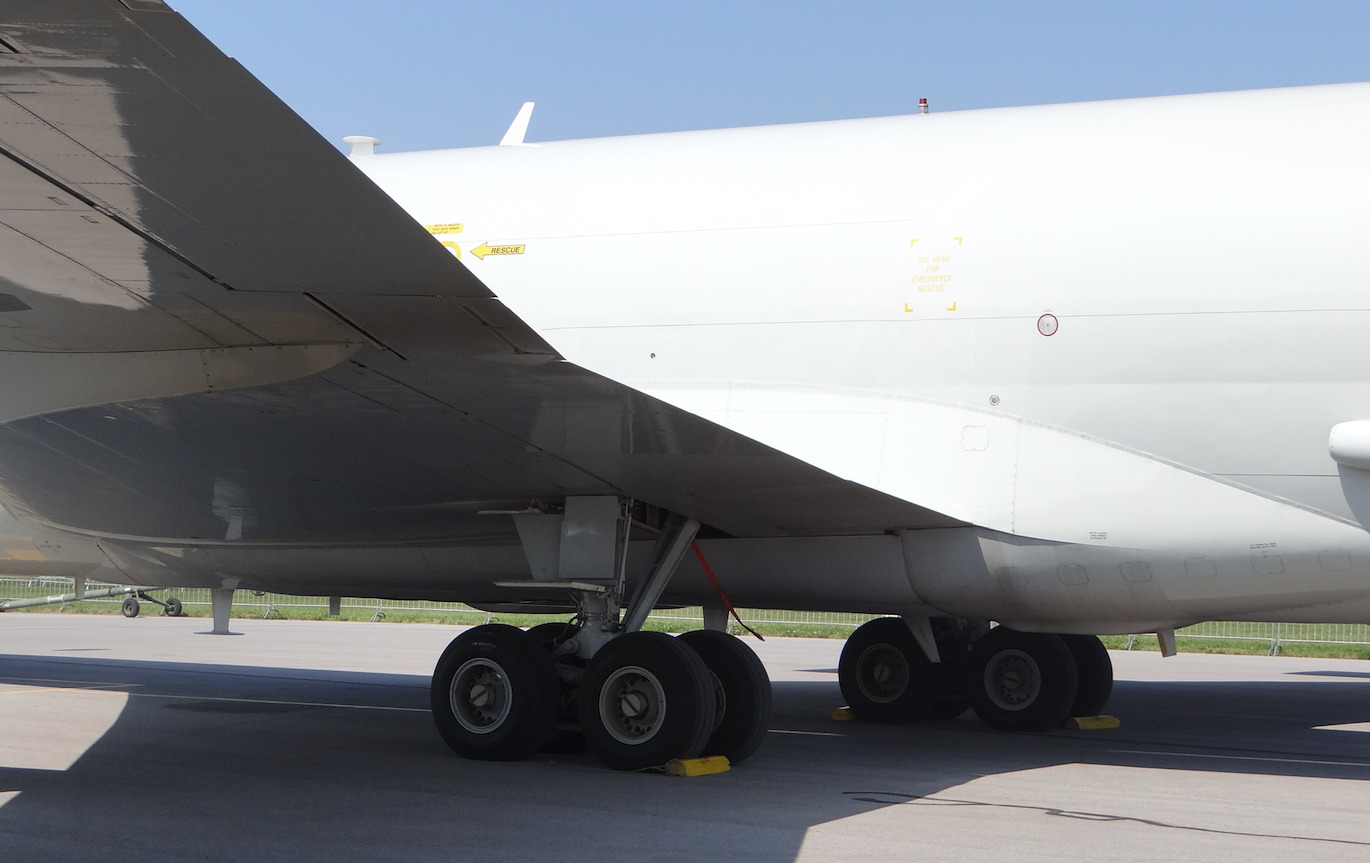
(362, 145)
(518, 128)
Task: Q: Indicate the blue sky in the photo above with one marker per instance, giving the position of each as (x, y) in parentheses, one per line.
(426, 74)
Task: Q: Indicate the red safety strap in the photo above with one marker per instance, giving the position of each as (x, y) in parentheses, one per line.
(721, 595)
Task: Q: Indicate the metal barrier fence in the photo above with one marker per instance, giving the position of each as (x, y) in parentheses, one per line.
(1273, 633)
(1277, 633)
(269, 603)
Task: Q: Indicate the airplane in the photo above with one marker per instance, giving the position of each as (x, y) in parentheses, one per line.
(1069, 369)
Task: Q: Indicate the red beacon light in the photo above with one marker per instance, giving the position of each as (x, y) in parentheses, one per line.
(922, 106)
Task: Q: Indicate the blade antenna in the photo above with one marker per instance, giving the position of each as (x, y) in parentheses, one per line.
(518, 128)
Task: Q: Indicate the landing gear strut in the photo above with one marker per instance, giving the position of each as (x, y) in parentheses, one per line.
(639, 699)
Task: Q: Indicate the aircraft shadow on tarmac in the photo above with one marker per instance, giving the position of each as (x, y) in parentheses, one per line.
(226, 762)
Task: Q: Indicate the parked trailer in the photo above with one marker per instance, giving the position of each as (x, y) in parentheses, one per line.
(130, 608)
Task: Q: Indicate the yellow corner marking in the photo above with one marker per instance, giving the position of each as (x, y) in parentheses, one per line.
(958, 240)
(23, 554)
(913, 242)
(453, 248)
(698, 766)
(952, 307)
(449, 228)
(843, 714)
(482, 250)
(1091, 723)
(906, 307)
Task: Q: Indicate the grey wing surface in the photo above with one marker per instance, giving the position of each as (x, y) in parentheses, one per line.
(208, 313)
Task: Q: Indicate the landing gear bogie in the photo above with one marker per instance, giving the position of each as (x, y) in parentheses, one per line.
(638, 699)
(1014, 681)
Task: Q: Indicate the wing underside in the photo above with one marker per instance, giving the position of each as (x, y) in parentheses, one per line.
(282, 339)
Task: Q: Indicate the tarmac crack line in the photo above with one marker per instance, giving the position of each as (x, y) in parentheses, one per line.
(927, 800)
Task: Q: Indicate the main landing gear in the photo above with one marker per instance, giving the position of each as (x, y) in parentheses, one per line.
(637, 699)
(1014, 681)
(644, 699)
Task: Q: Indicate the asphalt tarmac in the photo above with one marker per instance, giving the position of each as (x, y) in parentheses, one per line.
(141, 740)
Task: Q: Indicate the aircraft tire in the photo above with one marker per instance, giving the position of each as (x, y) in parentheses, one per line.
(646, 698)
(1095, 671)
(550, 635)
(130, 608)
(494, 694)
(885, 676)
(1021, 681)
(950, 707)
(563, 740)
(742, 690)
(174, 608)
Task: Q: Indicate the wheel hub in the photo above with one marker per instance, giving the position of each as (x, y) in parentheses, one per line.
(882, 673)
(632, 705)
(1012, 680)
(480, 695)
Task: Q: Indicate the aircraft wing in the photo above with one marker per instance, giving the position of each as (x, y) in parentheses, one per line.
(284, 341)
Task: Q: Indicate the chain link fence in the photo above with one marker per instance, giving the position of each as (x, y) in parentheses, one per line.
(267, 604)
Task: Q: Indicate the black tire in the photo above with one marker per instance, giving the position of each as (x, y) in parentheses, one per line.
(647, 698)
(950, 707)
(562, 741)
(1021, 681)
(130, 607)
(173, 607)
(743, 693)
(1095, 670)
(885, 676)
(550, 635)
(494, 694)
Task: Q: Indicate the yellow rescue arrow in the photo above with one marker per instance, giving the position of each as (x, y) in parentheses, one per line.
(482, 250)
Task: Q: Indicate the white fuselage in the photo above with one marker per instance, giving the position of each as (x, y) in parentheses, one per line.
(870, 295)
